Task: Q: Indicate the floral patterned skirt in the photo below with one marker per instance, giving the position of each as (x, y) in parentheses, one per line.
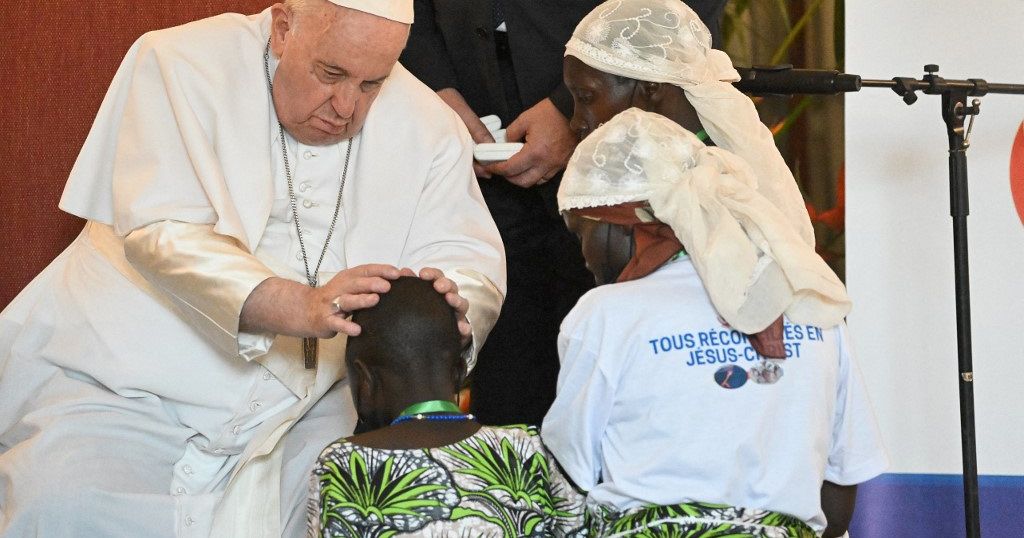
(696, 520)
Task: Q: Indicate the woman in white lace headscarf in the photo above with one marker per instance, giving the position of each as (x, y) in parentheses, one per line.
(671, 413)
(657, 55)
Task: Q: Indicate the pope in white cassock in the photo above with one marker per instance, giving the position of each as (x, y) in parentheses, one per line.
(153, 379)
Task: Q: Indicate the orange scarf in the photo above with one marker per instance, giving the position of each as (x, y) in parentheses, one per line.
(656, 244)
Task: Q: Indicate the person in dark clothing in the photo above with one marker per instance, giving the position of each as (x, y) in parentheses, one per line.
(504, 57)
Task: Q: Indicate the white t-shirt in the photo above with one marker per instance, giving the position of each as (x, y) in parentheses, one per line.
(643, 415)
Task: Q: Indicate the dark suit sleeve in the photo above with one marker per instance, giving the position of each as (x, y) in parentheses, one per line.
(562, 99)
(426, 55)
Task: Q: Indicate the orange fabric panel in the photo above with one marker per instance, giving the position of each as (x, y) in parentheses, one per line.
(1017, 172)
(56, 61)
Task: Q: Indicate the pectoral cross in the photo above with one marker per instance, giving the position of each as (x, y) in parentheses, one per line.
(309, 352)
(310, 345)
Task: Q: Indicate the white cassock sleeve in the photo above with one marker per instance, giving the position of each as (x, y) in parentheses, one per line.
(574, 427)
(208, 276)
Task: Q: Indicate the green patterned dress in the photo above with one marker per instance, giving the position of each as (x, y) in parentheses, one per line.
(498, 482)
(695, 520)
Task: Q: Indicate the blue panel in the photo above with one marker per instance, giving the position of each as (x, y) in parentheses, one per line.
(932, 505)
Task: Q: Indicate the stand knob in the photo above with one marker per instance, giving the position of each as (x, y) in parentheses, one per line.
(931, 69)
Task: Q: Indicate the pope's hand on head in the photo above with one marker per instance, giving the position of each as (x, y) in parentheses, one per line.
(447, 287)
(350, 290)
(547, 145)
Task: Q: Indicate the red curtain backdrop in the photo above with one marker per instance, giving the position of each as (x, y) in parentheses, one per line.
(56, 60)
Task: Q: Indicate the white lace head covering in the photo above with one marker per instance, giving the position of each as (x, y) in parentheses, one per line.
(753, 264)
(396, 10)
(665, 41)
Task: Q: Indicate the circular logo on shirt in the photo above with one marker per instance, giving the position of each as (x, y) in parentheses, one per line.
(1017, 172)
(731, 377)
(766, 373)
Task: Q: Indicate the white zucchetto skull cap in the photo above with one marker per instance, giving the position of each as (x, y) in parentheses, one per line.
(396, 10)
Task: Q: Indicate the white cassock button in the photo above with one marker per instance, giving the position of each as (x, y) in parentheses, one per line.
(179, 491)
(307, 204)
(304, 186)
(236, 429)
(307, 155)
(187, 470)
(254, 405)
(218, 451)
(189, 521)
(267, 375)
(298, 255)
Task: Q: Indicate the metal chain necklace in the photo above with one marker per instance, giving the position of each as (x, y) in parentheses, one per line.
(309, 345)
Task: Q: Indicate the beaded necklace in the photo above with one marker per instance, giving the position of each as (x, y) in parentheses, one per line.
(432, 411)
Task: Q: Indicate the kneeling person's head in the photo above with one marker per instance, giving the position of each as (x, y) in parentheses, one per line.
(409, 351)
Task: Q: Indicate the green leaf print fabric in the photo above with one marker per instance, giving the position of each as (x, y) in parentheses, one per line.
(498, 482)
(696, 520)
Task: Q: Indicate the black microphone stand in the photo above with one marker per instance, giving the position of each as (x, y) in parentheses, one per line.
(785, 80)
